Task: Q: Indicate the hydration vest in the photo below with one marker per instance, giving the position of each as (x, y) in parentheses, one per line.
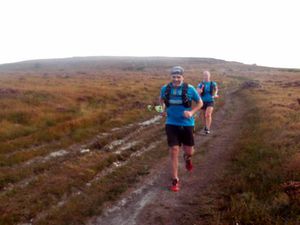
(185, 100)
(211, 88)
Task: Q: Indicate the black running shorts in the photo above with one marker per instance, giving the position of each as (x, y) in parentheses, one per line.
(207, 104)
(178, 135)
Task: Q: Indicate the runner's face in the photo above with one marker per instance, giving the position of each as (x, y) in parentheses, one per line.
(206, 76)
(177, 80)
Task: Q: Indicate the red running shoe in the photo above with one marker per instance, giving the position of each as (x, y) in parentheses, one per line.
(188, 162)
(175, 185)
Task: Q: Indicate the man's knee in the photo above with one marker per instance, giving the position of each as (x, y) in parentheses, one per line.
(208, 115)
(174, 149)
(188, 149)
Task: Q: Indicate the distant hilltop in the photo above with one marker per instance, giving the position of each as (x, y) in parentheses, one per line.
(109, 62)
(120, 64)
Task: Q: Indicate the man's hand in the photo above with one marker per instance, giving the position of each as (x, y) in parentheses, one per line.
(163, 114)
(188, 114)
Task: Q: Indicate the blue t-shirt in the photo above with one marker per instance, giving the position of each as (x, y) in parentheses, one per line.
(207, 97)
(175, 110)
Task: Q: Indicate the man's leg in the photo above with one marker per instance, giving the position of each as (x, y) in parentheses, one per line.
(173, 143)
(187, 156)
(202, 115)
(188, 150)
(174, 152)
(208, 116)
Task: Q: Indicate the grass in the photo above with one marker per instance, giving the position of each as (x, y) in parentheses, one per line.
(38, 110)
(76, 111)
(55, 179)
(72, 176)
(68, 110)
(56, 112)
(264, 159)
(44, 112)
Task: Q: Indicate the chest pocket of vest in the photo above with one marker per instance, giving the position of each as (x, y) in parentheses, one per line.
(184, 97)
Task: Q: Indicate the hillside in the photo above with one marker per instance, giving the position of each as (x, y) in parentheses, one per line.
(78, 145)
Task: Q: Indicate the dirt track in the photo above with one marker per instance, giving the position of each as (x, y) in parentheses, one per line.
(151, 202)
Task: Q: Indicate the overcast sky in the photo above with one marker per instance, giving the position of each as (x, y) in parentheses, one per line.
(265, 32)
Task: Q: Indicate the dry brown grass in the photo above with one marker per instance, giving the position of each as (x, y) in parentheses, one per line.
(43, 111)
(62, 109)
(46, 110)
(267, 155)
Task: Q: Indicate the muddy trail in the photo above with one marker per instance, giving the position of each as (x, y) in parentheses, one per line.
(102, 155)
(151, 202)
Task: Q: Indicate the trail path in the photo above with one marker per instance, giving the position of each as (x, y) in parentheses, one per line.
(150, 201)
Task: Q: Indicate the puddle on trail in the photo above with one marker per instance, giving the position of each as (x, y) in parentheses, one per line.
(118, 164)
(127, 146)
(56, 154)
(151, 121)
(114, 144)
(85, 150)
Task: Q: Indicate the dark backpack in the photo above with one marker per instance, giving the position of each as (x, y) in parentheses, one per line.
(211, 90)
(185, 100)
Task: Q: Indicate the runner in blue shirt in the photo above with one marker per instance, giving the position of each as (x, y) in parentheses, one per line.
(176, 98)
(208, 90)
